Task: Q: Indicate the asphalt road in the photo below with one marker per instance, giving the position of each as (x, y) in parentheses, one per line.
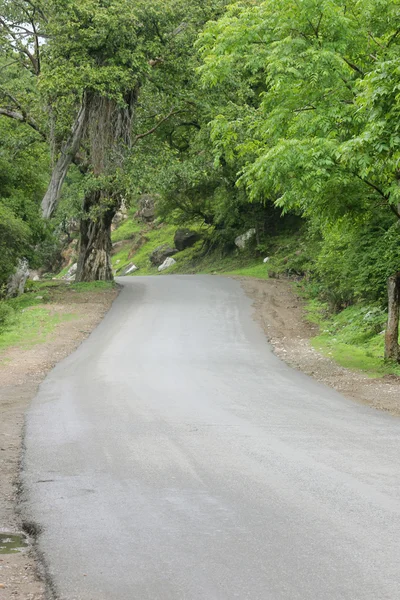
(174, 457)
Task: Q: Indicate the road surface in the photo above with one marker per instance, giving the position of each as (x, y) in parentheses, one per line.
(174, 457)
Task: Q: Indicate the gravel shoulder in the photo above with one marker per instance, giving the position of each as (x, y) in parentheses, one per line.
(281, 314)
(21, 372)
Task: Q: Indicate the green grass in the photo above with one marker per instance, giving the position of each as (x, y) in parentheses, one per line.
(126, 230)
(258, 271)
(353, 338)
(154, 237)
(31, 326)
(30, 322)
(63, 273)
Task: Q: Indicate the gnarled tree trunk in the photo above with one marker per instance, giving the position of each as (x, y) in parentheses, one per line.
(392, 348)
(108, 133)
(94, 262)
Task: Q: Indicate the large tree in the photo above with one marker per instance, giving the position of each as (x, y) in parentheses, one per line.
(94, 58)
(310, 107)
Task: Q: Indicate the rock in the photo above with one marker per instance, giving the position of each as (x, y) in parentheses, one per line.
(242, 240)
(17, 281)
(185, 238)
(266, 259)
(120, 216)
(161, 253)
(147, 208)
(118, 261)
(34, 275)
(70, 274)
(167, 264)
(131, 268)
(39, 298)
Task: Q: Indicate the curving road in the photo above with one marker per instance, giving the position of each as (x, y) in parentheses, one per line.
(174, 457)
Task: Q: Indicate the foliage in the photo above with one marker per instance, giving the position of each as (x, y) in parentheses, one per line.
(354, 338)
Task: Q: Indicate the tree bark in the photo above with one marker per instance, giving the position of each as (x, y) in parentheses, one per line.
(67, 155)
(94, 262)
(392, 348)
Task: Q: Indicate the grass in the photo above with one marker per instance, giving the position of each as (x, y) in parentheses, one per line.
(126, 230)
(258, 270)
(30, 322)
(31, 326)
(353, 338)
(154, 237)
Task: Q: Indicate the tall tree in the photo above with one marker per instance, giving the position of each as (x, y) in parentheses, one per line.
(312, 106)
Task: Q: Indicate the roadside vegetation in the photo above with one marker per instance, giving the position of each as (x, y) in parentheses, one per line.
(32, 318)
(268, 129)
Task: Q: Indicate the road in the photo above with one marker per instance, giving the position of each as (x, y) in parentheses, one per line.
(173, 456)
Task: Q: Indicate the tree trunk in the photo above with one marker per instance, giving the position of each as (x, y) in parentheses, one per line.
(94, 261)
(67, 154)
(392, 348)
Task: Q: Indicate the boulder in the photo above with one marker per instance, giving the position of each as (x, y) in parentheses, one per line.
(131, 268)
(161, 253)
(147, 208)
(242, 241)
(70, 274)
(167, 264)
(17, 281)
(185, 238)
(34, 275)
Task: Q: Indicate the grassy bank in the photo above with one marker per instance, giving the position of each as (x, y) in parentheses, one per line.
(31, 318)
(354, 337)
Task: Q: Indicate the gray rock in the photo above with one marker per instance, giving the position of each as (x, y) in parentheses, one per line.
(242, 240)
(161, 253)
(131, 268)
(70, 274)
(185, 238)
(17, 281)
(266, 259)
(147, 208)
(34, 275)
(167, 264)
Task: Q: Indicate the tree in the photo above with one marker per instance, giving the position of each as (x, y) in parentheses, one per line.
(317, 82)
(93, 58)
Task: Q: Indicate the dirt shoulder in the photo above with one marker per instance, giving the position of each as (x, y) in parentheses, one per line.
(21, 372)
(282, 316)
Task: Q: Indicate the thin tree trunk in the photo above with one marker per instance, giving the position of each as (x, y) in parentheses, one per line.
(392, 348)
(67, 154)
(94, 261)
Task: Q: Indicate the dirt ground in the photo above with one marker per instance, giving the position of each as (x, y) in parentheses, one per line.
(281, 314)
(21, 371)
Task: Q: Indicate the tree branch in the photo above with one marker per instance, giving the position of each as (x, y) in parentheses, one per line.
(153, 129)
(353, 66)
(22, 118)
